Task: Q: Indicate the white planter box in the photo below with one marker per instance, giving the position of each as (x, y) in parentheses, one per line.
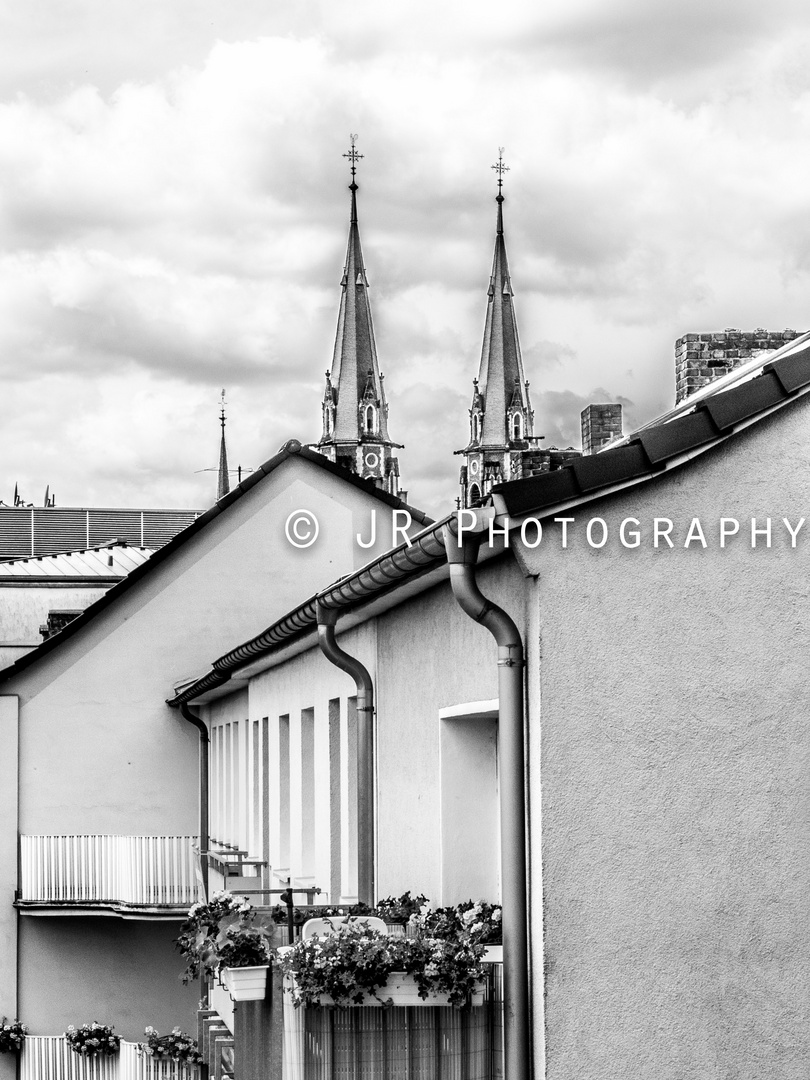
(246, 983)
(402, 989)
(493, 954)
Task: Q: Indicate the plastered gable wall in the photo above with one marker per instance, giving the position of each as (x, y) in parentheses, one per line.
(673, 766)
(100, 751)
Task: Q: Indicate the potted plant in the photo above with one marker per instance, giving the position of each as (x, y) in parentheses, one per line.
(220, 938)
(12, 1036)
(197, 939)
(93, 1040)
(243, 953)
(178, 1046)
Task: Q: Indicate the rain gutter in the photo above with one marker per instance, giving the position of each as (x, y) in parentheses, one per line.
(462, 553)
(202, 727)
(327, 618)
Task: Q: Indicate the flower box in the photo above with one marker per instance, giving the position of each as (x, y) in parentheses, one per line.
(246, 983)
(402, 989)
(493, 954)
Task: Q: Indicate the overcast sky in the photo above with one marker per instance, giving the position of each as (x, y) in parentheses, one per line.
(174, 212)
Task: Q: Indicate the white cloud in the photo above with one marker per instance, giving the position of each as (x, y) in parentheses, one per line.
(173, 213)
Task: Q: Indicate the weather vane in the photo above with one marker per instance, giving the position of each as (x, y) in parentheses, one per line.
(222, 409)
(500, 168)
(353, 156)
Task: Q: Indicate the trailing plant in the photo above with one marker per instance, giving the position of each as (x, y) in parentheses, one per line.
(401, 908)
(355, 960)
(221, 933)
(178, 1046)
(12, 1036)
(93, 1039)
(475, 921)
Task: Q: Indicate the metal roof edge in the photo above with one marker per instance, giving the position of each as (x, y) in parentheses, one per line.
(371, 583)
(513, 502)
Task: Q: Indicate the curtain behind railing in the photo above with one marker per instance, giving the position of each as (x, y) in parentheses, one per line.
(399, 1043)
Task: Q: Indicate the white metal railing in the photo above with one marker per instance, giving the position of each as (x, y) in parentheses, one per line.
(48, 1057)
(139, 870)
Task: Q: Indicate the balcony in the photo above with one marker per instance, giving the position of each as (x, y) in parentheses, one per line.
(398, 1043)
(48, 1057)
(127, 876)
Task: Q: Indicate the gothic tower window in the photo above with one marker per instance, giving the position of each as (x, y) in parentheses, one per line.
(476, 430)
(369, 418)
(517, 426)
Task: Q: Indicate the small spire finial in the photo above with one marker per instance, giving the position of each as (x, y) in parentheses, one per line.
(223, 484)
(500, 169)
(353, 158)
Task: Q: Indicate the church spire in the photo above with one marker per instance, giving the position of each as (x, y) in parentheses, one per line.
(355, 412)
(501, 417)
(223, 483)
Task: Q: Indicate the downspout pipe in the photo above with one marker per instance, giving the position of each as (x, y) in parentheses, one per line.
(327, 619)
(462, 554)
(192, 718)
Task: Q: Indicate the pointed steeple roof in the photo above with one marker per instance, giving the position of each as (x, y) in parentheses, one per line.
(223, 481)
(355, 370)
(500, 375)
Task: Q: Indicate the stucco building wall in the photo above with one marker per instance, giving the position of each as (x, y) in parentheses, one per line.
(673, 759)
(424, 656)
(67, 959)
(99, 750)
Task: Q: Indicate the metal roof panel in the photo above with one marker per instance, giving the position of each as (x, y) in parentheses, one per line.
(538, 491)
(678, 436)
(793, 371)
(737, 404)
(611, 466)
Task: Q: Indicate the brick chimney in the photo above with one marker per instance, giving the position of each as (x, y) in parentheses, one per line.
(601, 424)
(702, 358)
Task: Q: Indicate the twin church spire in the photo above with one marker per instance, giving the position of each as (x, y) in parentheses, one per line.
(355, 434)
(355, 412)
(501, 416)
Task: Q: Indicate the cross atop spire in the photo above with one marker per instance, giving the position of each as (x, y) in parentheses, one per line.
(500, 169)
(353, 157)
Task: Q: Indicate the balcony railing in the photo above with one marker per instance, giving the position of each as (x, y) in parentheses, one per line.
(399, 1043)
(116, 872)
(48, 1057)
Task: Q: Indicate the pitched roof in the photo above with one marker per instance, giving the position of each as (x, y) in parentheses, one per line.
(108, 563)
(293, 448)
(733, 402)
(706, 418)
